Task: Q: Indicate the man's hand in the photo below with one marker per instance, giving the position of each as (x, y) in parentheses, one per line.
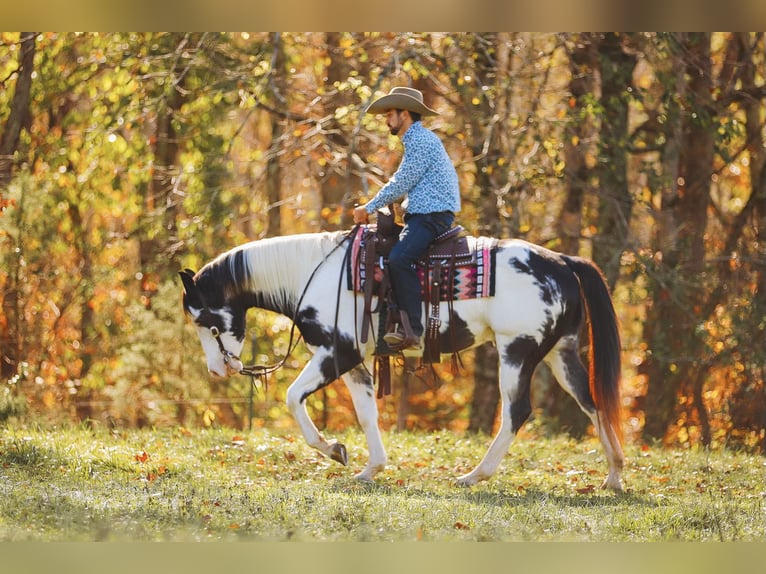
(360, 214)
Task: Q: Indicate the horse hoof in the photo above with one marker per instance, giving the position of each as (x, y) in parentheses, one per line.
(465, 481)
(339, 453)
(613, 485)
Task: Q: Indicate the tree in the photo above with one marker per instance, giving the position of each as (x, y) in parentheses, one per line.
(487, 97)
(580, 139)
(128, 156)
(16, 120)
(616, 65)
(685, 208)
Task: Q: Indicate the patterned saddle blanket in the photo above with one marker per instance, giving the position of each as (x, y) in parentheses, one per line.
(465, 265)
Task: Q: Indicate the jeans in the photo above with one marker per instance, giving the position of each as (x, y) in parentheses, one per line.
(420, 230)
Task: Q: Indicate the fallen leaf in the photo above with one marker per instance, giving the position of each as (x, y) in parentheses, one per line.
(141, 456)
(461, 526)
(585, 489)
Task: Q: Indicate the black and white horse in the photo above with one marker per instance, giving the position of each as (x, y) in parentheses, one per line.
(541, 300)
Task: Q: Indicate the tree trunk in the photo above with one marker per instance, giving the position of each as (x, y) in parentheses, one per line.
(486, 390)
(578, 132)
(756, 137)
(337, 179)
(488, 145)
(615, 202)
(10, 337)
(553, 401)
(160, 203)
(677, 293)
(273, 164)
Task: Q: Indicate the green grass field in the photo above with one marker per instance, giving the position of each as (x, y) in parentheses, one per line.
(77, 484)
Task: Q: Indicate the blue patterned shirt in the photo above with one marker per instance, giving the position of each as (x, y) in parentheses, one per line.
(426, 178)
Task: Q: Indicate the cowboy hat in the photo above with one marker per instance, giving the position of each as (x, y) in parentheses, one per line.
(408, 99)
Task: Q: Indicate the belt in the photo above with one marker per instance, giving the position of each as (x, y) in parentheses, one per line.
(408, 215)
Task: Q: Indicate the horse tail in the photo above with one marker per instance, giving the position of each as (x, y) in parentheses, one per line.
(604, 348)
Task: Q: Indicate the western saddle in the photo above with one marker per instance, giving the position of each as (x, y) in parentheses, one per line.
(451, 249)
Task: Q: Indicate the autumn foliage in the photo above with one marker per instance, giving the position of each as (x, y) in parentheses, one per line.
(128, 156)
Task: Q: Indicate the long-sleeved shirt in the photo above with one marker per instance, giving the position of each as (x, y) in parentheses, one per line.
(425, 176)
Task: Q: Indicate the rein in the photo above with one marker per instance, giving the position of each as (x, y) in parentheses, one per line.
(253, 371)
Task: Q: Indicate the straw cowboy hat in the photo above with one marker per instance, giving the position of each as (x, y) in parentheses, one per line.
(408, 99)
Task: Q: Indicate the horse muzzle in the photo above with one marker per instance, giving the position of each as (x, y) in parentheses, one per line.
(226, 369)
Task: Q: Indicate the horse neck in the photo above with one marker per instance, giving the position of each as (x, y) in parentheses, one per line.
(278, 269)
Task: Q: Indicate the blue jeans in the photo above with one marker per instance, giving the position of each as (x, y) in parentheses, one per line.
(420, 230)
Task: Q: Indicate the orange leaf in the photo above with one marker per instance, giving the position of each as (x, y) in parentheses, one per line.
(461, 526)
(141, 456)
(586, 489)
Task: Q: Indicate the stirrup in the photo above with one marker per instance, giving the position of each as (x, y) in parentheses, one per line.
(401, 336)
(394, 338)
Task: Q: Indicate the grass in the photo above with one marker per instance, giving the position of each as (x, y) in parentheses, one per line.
(78, 484)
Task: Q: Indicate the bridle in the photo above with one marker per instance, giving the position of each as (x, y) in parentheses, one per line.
(260, 371)
(253, 371)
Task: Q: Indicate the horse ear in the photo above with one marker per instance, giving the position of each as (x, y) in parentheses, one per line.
(192, 294)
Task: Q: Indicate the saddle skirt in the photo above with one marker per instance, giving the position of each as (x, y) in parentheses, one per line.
(465, 264)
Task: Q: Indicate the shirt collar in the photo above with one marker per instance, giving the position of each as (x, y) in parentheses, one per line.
(411, 130)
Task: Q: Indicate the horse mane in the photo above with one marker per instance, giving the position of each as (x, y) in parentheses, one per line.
(271, 273)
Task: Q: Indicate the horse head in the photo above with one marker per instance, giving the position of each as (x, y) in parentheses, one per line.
(220, 325)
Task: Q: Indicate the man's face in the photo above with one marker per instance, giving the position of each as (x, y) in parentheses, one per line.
(394, 121)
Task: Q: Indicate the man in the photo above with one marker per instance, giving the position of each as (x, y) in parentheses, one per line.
(427, 182)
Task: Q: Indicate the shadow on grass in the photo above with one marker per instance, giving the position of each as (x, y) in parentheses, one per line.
(484, 495)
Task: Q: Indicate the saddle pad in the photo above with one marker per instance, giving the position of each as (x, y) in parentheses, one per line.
(474, 276)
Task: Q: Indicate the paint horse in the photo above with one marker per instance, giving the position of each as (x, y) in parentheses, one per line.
(540, 302)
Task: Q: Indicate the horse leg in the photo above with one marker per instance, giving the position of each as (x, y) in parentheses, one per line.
(309, 381)
(359, 383)
(515, 380)
(571, 374)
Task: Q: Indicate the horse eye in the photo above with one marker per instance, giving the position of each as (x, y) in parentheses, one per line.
(214, 331)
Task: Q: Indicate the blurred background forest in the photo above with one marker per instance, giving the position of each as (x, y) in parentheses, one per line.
(125, 157)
